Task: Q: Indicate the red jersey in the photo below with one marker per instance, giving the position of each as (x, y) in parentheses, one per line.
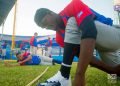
(75, 9)
(25, 55)
(49, 43)
(31, 40)
(60, 37)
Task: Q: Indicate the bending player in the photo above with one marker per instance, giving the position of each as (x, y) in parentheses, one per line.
(85, 18)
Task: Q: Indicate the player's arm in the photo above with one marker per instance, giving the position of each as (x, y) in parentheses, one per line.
(7, 64)
(105, 67)
(88, 41)
(27, 59)
(87, 47)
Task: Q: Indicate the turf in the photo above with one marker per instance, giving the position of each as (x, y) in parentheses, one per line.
(21, 76)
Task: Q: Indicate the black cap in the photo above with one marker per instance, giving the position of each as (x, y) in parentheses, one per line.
(40, 14)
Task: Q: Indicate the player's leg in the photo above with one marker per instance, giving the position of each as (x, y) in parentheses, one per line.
(108, 37)
(110, 58)
(46, 59)
(113, 60)
(31, 50)
(49, 51)
(70, 50)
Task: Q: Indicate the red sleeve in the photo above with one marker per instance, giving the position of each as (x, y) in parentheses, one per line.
(76, 9)
(26, 54)
(50, 42)
(60, 38)
(31, 40)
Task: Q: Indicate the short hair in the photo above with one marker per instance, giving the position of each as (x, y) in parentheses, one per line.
(18, 53)
(35, 33)
(40, 14)
(49, 37)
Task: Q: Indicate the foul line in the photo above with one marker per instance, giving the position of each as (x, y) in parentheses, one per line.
(33, 81)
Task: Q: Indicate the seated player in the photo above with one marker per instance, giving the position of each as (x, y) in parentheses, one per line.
(28, 59)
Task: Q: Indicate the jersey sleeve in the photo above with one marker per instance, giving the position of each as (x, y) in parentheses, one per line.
(26, 54)
(31, 40)
(60, 38)
(76, 9)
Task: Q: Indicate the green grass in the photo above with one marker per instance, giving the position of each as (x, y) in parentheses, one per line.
(22, 75)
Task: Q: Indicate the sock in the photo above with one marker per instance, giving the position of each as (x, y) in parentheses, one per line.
(70, 51)
(65, 71)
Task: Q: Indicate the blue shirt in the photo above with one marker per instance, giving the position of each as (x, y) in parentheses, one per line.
(34, 61)
(35, 42)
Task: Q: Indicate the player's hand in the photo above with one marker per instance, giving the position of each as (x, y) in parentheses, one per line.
(20, 62)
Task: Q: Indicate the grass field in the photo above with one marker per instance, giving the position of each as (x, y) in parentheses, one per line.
(21, 76)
